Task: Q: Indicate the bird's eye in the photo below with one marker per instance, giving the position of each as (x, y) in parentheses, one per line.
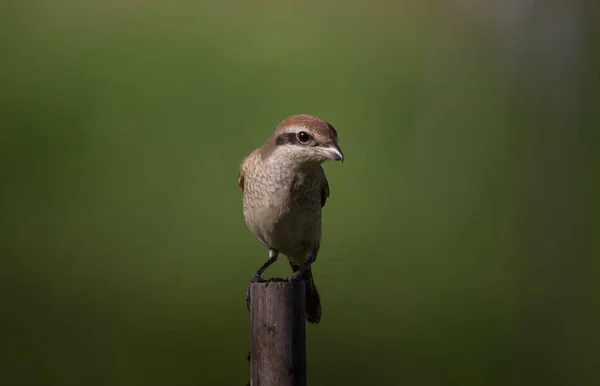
(303, 136)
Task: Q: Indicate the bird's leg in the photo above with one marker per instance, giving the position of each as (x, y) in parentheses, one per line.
(297, 276)
(257, 277)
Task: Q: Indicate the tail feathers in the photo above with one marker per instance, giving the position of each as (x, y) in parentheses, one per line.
(313, 301)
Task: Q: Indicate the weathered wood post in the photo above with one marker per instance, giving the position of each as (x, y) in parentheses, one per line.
(278, 342)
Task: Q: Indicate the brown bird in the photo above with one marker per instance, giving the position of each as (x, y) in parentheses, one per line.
(284, 189)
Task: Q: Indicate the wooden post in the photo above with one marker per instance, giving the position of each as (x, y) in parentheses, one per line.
(278, 343)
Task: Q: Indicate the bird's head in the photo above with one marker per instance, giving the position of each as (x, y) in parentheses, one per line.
(308, 139)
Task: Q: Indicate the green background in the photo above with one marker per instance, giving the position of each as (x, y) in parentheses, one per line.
(460, 240)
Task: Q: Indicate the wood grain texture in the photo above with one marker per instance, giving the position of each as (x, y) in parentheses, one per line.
(278, 343)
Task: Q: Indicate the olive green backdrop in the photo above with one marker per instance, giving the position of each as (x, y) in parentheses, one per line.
(460, 239)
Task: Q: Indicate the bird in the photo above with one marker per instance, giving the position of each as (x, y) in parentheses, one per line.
(284, 190)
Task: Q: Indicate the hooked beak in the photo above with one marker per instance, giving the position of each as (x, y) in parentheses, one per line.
(335, 153)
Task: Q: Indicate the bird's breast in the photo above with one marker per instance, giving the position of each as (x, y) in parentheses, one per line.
(283, 208)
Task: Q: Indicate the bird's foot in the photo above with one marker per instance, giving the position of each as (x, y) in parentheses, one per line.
(256, 278)
(277, 280)
(296, 277)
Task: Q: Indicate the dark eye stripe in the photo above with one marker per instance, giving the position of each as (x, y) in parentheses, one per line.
(292, 139)
(286, 138)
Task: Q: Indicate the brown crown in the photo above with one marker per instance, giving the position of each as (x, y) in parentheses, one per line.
(313, 124)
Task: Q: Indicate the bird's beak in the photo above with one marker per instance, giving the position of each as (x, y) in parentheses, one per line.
(335, 153)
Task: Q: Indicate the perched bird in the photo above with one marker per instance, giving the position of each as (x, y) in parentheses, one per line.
(284, 189)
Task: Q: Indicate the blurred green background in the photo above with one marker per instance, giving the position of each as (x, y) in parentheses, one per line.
(460, 239)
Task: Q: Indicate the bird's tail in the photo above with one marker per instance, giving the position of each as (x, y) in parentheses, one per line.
(313, 301)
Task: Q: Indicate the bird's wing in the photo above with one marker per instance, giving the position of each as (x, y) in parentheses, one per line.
(241, 174)
(324, 188)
